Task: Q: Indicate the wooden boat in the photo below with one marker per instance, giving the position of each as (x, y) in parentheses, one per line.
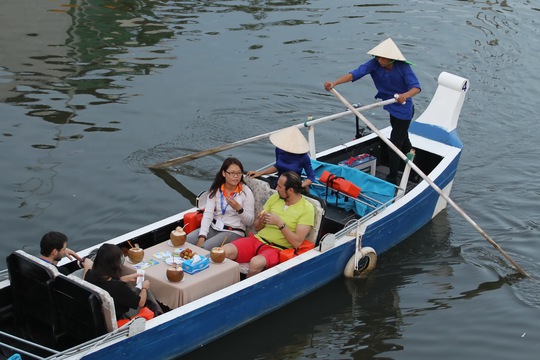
(345, 242)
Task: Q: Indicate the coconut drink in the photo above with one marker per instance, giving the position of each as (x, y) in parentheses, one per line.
(175, 273)
(178, 236)
(217, 254)
(136, 254)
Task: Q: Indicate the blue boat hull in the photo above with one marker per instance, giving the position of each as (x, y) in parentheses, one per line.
(203, 325)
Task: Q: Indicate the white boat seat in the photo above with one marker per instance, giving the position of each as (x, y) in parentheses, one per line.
(261, 192)
(107, 302)
(80, 310)
(320, 210)
(200, 200)
(57, 310)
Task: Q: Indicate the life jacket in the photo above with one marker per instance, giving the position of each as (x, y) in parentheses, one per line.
(340, 184)
(144, 312)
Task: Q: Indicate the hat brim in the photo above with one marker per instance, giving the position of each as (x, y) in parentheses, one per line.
(387, 49)
(291, 140)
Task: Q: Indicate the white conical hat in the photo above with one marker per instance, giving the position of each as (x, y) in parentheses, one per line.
(291, 140)
(387, 49)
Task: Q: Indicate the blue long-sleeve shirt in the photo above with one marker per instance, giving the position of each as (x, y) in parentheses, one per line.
(286, 161)
(398, 80)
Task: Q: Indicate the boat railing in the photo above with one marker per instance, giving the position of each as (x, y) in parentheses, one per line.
(29, 353)
(31, 349)
(376, 209)
(369, 201)
(4, 275)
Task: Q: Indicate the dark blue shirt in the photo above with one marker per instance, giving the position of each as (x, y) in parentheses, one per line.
(286, 161)
(398, 80)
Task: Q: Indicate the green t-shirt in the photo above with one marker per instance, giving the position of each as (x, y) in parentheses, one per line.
(302, 213)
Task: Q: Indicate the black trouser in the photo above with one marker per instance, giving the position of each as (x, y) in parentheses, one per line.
(400, 138)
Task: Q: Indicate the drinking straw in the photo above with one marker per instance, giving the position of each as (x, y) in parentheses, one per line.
(223, 241)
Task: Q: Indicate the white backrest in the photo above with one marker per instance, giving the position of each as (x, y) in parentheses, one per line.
(200, 200)
(261, 192)
(445, 106)
(107, 302)
(319, 216)
(52, 269)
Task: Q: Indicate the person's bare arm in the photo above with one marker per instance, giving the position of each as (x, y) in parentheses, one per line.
(401, 98)
(269, 170)
(341, 80)
(72, 254)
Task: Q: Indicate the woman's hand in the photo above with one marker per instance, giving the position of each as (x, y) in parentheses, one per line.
(87, 264)
(253, 173)
(233, 203)
(306, 184)
(200, 241)
(145, 285)
(130, 277)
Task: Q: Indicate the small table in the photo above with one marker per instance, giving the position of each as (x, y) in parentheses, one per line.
(192, 287)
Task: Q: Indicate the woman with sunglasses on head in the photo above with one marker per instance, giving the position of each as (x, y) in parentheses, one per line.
(229, 208)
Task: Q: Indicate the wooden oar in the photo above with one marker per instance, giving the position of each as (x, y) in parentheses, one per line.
(186, 158)
(429, 181)
(189, 157)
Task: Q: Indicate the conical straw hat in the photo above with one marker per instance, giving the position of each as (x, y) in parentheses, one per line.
(387, 49)
(291, 140)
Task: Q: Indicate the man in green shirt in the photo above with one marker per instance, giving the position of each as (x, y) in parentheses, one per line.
(284, 223)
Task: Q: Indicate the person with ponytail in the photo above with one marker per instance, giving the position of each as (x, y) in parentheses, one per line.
(284, 223)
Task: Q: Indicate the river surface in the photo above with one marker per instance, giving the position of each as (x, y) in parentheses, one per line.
(92, 92)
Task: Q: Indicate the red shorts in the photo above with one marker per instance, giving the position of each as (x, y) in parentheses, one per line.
(250, 246)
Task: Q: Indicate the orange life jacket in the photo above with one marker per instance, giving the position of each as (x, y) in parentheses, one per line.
(340, 184)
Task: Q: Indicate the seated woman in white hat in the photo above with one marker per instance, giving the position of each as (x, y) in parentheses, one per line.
(291, 155)
(391, 74)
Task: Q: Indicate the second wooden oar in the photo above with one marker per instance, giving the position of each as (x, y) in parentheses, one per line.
(214, 150)
(429, 181)
(186, 158)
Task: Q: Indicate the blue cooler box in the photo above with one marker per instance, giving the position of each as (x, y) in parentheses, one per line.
(361, 162)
